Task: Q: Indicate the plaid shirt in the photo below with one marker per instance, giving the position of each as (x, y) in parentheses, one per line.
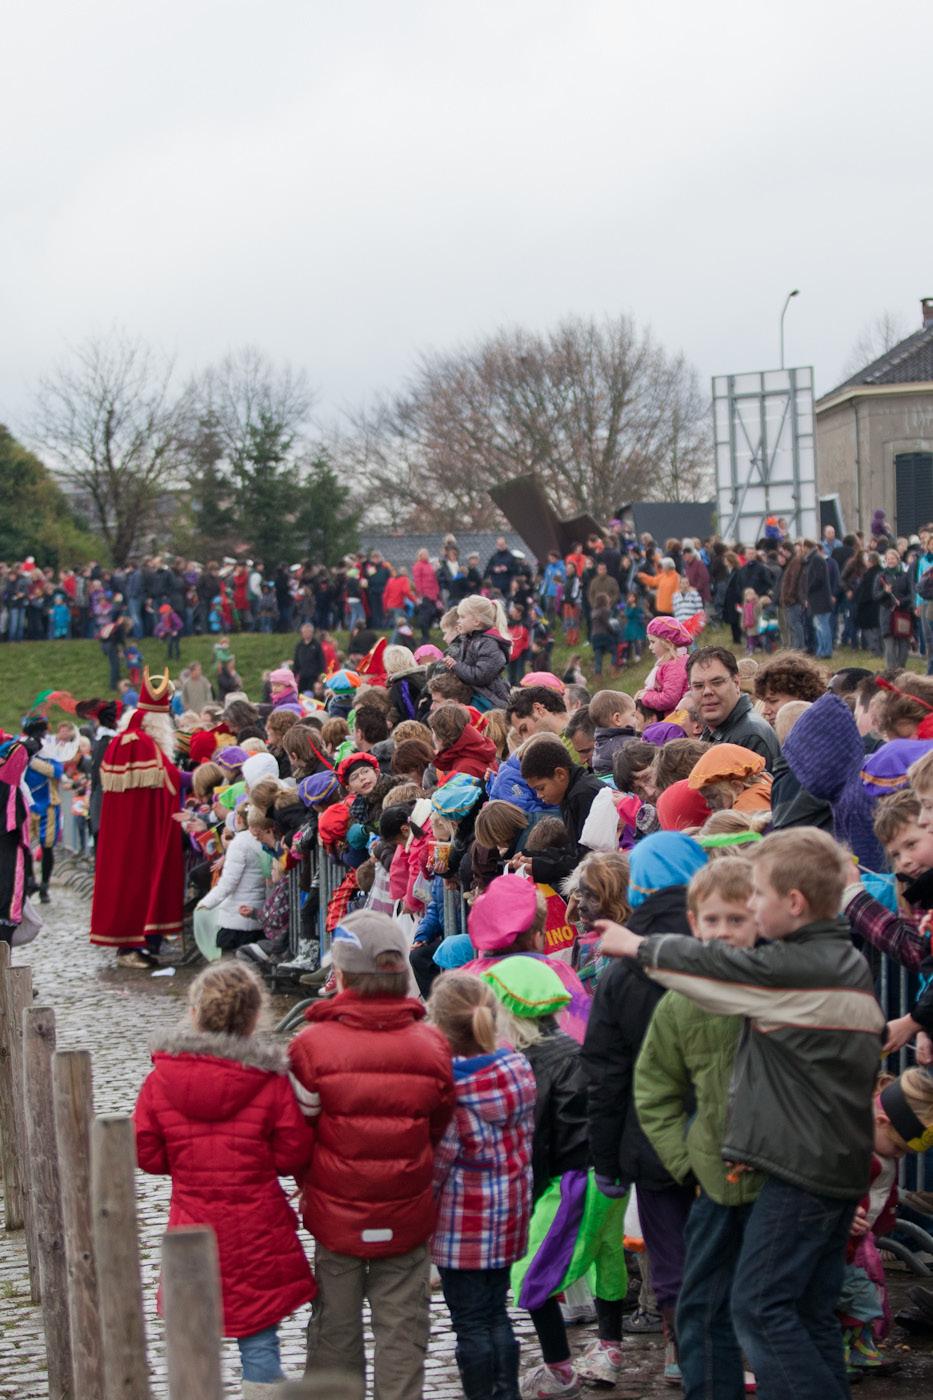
(896, 935)
(482, 1169)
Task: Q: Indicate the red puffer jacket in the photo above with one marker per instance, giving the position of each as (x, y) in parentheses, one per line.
(218, 1114)
(381, 1087)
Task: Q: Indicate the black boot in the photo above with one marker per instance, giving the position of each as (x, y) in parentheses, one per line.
(44, 897)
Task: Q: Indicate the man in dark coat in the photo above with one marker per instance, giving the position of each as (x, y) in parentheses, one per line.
(727, 714)
(309, 658)
(819, 597)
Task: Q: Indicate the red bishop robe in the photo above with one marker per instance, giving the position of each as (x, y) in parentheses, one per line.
(139, 876)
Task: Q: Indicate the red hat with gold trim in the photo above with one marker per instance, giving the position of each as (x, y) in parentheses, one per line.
(156, 695)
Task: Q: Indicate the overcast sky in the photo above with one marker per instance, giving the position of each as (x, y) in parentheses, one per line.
(343, 184)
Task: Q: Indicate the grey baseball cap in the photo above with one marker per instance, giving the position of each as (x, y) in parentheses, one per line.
(363, 936)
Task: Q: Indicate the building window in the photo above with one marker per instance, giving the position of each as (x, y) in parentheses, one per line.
(913, 485)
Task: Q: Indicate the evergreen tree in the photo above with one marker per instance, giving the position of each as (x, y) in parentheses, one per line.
(266, 480)
(37, 517)
(327, 522)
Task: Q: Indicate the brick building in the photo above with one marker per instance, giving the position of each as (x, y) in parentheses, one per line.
(874, 436)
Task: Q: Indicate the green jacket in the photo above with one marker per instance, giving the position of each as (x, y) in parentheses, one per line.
(688, 1054)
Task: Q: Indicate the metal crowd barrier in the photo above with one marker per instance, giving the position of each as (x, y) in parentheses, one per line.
(70, 840)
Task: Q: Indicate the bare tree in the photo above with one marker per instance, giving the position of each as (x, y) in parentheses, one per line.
(246, 389)
(110, 420)
(875, 339)
(597, 409)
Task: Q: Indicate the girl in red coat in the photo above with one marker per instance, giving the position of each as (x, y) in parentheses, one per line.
(218, 1115)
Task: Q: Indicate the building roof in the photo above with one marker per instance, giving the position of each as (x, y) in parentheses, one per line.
(908, 362)
(402, 549)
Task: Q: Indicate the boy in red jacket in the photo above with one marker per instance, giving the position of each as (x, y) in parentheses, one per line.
(458, 747)
(377, 1084)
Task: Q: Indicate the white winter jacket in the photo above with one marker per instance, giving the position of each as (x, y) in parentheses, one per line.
(242, 881)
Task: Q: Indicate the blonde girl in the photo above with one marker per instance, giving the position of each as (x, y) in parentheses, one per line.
(479, 654)
(482, 1178)
(218, 1115)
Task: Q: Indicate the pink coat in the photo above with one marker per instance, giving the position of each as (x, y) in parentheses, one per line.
(405, 868)
(425, 580)
(670, 686)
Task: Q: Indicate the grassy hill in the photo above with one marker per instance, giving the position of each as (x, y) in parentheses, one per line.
(26, 668)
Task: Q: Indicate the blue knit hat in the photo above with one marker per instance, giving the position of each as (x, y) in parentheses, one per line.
(659, 861)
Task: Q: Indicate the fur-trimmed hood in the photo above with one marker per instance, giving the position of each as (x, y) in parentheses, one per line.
(249, 1050)
(213, 1077)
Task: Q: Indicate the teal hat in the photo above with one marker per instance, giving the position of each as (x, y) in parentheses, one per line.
(663, 859)
(454, 952)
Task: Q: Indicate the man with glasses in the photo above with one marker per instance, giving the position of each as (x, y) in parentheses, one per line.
(727, 714)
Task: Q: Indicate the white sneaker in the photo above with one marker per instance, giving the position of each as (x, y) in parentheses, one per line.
(597, 1366)
(544, 1381)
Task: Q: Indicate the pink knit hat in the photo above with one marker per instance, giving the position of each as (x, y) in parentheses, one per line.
(547, 678)
(283, 677)
(671, 631)
(429, 652)
(503, 911)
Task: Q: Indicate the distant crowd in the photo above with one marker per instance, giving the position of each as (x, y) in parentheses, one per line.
(864, 591)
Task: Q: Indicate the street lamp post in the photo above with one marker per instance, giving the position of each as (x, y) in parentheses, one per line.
(794, 293)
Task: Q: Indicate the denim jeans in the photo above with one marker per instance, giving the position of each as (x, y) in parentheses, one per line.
(135, 609)
(710, 1359)
(487, 1352)
(17, 622)
(259, 1356)
(796, 633)
(355, 612)
(785, 1289)
(601, 648)
(823, 630)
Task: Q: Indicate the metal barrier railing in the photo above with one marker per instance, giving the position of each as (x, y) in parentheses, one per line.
(70, 837)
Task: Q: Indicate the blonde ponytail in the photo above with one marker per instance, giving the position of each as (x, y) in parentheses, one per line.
(465, 1011)
(488, 613)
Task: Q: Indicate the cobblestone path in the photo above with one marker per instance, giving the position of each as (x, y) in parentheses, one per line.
(114, 1014)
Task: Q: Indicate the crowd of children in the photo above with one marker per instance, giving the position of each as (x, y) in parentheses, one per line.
(660, 1017)
(657, 1015)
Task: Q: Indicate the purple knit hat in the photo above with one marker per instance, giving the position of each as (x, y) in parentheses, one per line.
(661, 733)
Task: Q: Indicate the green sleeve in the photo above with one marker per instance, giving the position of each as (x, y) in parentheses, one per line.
(662, 1089)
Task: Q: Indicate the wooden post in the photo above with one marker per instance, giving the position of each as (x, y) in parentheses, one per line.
(12, 1187)
(15, 996)
(74, 1108)
(21, 986)
(193, 1317)
(38, 1049)
(116, 1248)
(12, 1158)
